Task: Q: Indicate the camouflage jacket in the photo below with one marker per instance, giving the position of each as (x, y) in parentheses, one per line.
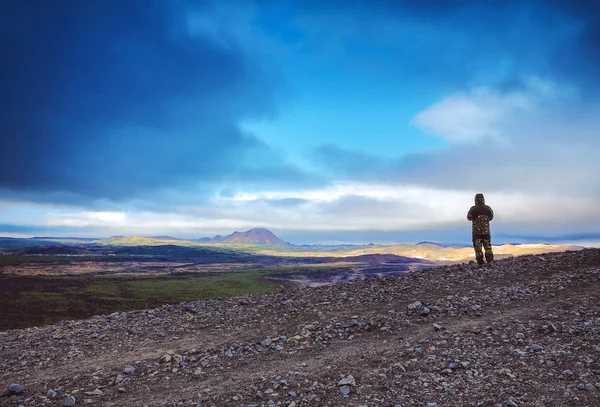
(481, 215)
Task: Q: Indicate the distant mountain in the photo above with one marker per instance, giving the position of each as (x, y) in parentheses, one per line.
(256, 236)
(426, 242)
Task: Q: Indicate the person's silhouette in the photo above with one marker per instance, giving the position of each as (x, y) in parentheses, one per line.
(481, 215)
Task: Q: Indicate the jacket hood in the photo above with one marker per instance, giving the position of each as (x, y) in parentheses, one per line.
(479, 199)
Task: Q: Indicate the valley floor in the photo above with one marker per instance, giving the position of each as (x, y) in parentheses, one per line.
(525, 332)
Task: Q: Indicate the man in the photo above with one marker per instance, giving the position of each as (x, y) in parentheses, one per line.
(481, 215)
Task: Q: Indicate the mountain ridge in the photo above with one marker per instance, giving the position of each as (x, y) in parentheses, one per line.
(254, 236)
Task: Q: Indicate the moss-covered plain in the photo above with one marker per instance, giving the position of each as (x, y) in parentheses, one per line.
(37, 300)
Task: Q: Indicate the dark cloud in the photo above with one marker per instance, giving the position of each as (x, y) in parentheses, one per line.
(582, 57)
(113, 99)
(466, 42)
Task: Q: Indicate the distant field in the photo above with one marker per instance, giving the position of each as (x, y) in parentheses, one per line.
(15, 260)
(28, 301)
(39, 290)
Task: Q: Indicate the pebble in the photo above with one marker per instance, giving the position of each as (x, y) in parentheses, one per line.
(415, 305)
(511, 403)
(191, 308)
(16, 389)
(347, 381)
(292, 394)
(345, 390)
(266, 342)
(536, 348)
(520, 335)
(425, 311)
(128, 369)
(69, 401)
(165, 358)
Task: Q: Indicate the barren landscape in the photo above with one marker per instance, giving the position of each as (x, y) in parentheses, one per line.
(45, 280)
(525, 332)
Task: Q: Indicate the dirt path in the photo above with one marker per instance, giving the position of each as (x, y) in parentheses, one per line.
(525, 333)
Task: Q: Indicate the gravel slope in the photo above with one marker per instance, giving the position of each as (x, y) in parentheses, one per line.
(523, 333)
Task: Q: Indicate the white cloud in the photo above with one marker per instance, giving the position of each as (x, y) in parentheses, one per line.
(483, 112)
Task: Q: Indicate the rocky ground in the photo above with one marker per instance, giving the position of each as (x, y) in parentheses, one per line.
(525, 332)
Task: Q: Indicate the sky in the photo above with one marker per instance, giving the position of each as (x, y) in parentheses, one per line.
(350, 121)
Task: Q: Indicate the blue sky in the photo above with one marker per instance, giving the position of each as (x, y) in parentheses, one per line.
(351, 121)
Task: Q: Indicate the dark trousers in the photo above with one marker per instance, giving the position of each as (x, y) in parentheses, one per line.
(486, 242)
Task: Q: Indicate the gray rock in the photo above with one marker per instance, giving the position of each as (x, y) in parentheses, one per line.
(69, 401)
(511, 403)
(415, 305)
(292, 394)
(425, 311)
(536, 348)
(51, 394)
(345, 390)
(191, 308)
(347, 381)
(16, 389)
(266, 342)
(128, 369)
(581, 386)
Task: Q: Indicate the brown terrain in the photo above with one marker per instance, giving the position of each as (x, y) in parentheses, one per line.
(437, 253)
(525, 333)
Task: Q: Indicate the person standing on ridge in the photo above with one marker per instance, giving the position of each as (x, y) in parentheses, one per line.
(481, 215)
